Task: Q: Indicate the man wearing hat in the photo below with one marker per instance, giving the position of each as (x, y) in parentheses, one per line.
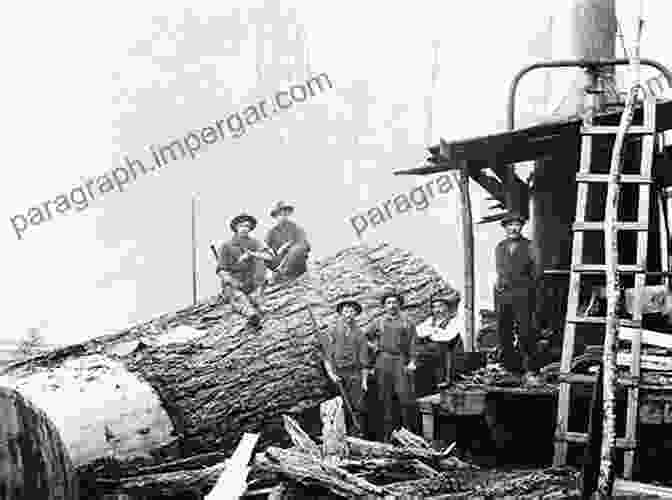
(439, 341)
(345, 357)
(395, 337)
(289, 242)
(518, 275)
(238, 266)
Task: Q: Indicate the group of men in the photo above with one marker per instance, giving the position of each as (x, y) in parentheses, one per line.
(408, 361)
(404, 361)
(245, 265)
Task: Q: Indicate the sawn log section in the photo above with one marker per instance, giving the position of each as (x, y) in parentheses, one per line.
(193, 381)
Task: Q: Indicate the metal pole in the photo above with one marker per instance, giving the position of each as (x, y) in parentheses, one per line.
(194, 287)
(573, 63)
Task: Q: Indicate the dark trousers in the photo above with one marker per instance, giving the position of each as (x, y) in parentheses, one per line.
(516, 305)
(430, 371)
(396, 392)
(352, 383)
(293, 263)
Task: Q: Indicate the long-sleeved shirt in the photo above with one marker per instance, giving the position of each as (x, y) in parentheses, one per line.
(517, 263)
(442, 329)
(344, 346)
(285, 231)
(231, 251)
(394, 335)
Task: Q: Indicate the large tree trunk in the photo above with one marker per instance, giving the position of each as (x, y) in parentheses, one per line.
(193, 381)
(34, 463)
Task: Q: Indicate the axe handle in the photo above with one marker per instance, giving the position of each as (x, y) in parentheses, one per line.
(339, 384)
(214, 252)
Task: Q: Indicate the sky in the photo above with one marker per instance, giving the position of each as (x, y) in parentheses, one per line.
(85, 85)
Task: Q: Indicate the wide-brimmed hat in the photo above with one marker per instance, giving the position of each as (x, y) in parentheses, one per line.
(448, 298)
(349, 302)
(386, 294)
(279, 207)
(513, 217)
(243, 218)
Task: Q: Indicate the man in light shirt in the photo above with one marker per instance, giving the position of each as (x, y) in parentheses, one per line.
(439, 341)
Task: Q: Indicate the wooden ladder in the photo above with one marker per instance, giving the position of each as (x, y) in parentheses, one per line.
(584, 177)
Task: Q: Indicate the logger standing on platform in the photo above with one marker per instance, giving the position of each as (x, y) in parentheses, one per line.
(395, 337)
(238, 267)
(518, 274)
(439, 341)
(289, 242)
(345, 358)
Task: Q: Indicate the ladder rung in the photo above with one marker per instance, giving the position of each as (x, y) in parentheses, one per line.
(601, 320)
(602, 268)
(599, 226)
(565, 272)
(613, 129)
(624, 178)
(582, 378)
(582, 438)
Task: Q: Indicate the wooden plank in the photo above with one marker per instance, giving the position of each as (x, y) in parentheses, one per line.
(626, 486)
(648, 361)
(649, 337)
(232, 483)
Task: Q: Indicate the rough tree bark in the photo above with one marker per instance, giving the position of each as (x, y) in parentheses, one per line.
(34, 462)
(193, 381)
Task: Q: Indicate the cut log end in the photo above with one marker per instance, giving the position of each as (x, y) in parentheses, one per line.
(34, 461)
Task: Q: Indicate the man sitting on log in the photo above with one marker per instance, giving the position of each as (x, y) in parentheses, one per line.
(518, 275)
(395, 337)
(345, 359)
(238, 267)
(289, 242)
(439, 341)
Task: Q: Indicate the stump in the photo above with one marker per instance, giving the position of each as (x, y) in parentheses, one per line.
(195, 380)
(34, 463)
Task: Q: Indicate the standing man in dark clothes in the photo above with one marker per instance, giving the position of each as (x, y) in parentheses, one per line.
(518, 274)
(289, 242)
(345, 358)
(238, 267)
(395, 338)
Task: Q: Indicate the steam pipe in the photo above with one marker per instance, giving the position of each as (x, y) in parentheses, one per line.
(573, 63)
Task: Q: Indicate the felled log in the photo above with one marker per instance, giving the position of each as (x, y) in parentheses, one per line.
(34, 463)
(438, 485)
(374, 449)
(172, 483)
(193, 381)
(308, 470)
(404, 437)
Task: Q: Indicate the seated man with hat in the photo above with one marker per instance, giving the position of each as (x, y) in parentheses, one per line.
(345, 358)
(289, 242)
(238, 266)
(518, 274)
(395, 337)
(439, 341)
